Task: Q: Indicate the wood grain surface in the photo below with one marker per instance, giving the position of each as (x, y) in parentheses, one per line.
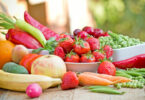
(74, 94)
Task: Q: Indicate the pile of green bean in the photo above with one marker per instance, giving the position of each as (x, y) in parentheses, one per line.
(131, 72)
(104, 89)
(117, 41)
(137, 76)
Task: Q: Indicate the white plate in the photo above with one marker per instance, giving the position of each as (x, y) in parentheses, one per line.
(128, 52)
(82, 67)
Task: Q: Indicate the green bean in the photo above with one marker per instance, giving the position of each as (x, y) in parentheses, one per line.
(92, 87)
(132, 73)
(108, 91)
(32, 31)
(121, 73)
(137, 69)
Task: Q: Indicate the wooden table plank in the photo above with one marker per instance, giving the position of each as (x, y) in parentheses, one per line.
(74, 94)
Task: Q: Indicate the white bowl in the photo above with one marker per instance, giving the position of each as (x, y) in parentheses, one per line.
(128, 52)
(82, 67)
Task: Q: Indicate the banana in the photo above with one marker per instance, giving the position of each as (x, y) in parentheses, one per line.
(19, 82)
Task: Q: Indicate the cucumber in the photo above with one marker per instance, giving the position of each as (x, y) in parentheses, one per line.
(12, 67)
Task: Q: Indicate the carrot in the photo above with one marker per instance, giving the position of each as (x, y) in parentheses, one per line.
(88, 79)
(115, 79)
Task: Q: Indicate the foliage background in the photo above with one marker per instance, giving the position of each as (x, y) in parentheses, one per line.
(120, 16)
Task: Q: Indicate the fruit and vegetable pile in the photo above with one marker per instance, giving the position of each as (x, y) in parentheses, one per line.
(32, 58)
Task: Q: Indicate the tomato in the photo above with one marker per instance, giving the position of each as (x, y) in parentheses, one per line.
(27, 61)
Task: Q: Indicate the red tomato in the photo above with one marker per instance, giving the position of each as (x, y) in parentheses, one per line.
(27, 61)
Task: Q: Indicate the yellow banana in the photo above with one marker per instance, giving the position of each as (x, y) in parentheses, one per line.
(19, 82)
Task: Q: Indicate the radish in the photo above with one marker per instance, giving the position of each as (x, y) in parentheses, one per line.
(34, 90)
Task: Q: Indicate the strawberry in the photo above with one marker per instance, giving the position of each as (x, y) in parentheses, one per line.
(81, 46)
(69, 80)
(64, 35)
(98, 55)
(107, 67)
(87, 58)
(82, 34)
(108, 50)
(94, 43)
(72, 57)
(59, 52)
(89, 30)
(66, 42)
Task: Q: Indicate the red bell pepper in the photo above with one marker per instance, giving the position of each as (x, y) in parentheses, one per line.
(133, 62)
(46, 31)
(20, 37)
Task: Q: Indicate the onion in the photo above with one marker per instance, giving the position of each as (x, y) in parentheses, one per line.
(49, 65)
(44, 52)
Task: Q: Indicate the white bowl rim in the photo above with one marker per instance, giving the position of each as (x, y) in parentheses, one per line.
(82, 63)
(128, 47)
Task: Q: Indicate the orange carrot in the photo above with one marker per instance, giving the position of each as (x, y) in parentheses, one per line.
(87, 79)
(115, 79)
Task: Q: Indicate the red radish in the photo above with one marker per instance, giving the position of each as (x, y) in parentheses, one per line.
(34, 90)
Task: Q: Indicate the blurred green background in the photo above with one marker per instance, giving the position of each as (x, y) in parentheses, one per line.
(121, 16)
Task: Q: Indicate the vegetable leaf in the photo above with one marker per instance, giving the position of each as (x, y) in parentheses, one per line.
(51, 45)
(37, 50)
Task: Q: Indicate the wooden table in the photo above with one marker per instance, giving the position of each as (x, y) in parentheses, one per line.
(75, 94)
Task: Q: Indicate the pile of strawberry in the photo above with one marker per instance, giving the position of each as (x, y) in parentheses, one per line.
(83, 46)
